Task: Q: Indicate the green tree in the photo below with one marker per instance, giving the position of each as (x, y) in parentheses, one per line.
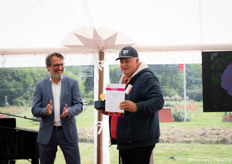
(171, 79)
(18, 84)
(194, 81)
(115, 73)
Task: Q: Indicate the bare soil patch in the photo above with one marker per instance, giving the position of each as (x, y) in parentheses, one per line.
(178, 135)
(196, 135)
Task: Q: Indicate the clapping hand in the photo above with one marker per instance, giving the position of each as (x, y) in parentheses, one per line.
(65, 111)
(49, 108)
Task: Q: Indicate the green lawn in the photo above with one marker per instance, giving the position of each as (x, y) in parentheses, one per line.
(186, 153)
(192, 153)
(164, 153)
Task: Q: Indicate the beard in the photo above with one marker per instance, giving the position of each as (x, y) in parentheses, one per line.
(54, 75)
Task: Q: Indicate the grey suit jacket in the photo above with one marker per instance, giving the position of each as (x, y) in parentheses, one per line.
(70, 95)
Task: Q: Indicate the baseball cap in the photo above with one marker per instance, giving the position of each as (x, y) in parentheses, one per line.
(127, 52)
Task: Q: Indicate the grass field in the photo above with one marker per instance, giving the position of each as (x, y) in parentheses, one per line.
(164, 153)
(178, 153)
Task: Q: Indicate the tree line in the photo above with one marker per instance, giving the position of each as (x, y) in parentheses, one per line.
(17, 84)
(171, 79)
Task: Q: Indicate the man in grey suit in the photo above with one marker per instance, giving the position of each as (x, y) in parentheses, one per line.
(57, 100)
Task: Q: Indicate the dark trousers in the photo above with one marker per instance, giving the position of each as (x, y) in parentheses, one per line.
(47, 153)
(136, 156)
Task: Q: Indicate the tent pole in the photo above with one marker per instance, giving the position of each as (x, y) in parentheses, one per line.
(100, 117)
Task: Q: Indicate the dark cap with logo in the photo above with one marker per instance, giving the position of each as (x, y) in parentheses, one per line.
(127, 52)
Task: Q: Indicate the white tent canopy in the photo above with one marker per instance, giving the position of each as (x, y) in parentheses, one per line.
(157, 26)
(153, 23)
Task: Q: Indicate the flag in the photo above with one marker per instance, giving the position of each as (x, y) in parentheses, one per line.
(181, 67)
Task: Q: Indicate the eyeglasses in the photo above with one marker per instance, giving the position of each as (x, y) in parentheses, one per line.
(57, 65)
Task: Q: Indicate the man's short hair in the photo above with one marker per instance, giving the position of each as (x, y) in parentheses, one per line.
(49, 56)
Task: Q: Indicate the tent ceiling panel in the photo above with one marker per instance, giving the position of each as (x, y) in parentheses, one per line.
(44, 24)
